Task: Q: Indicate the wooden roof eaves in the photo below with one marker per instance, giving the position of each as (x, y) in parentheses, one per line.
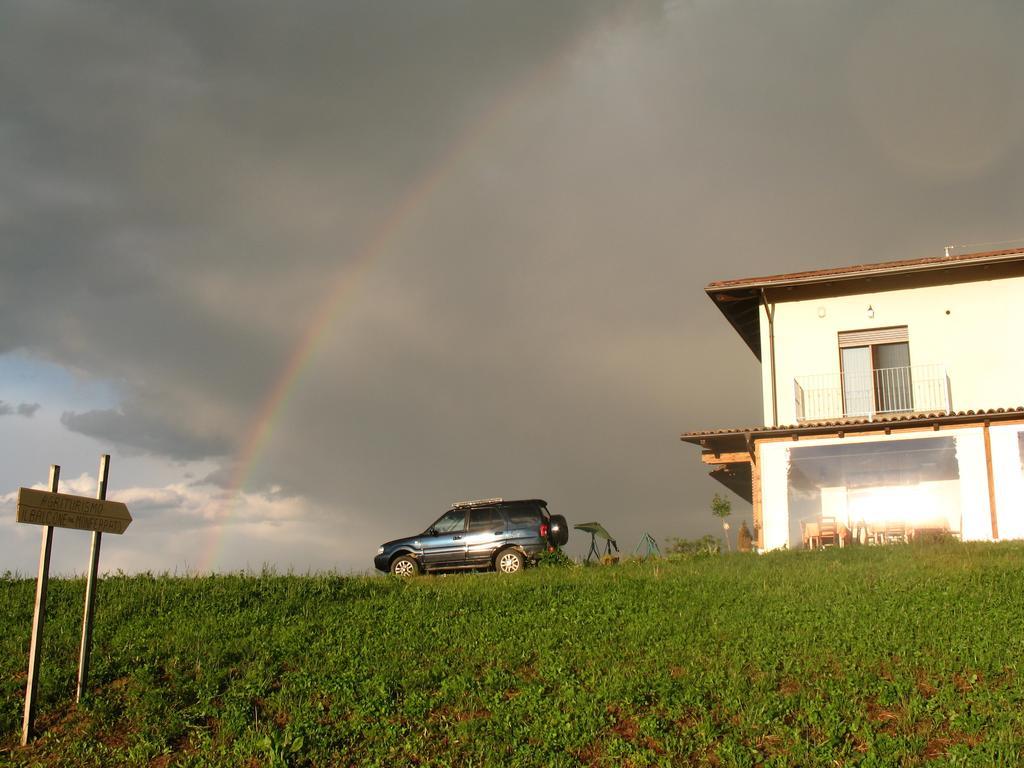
(743, 314)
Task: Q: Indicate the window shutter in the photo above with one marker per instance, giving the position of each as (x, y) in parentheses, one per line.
(873, 336)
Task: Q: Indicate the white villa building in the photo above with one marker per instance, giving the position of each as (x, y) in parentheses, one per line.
(893, 399)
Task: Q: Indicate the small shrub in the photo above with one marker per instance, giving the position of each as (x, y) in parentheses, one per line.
(554, 559)
(706, 545)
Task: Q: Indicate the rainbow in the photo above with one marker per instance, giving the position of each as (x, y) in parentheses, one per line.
(348, 280)
(304, 352)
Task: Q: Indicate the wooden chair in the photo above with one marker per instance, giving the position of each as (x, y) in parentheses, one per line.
(828, 532)
(809, 534)
(894, 532)
(859, 533)
(873, 533)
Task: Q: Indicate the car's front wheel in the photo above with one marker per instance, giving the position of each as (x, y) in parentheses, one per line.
(404, 566)
(509, 561)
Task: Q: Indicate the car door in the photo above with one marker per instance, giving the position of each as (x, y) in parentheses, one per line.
(444, 543)
(486, 532)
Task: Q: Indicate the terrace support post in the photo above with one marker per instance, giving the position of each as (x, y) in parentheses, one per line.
(38, 619)
(90, 586)
(991, 482)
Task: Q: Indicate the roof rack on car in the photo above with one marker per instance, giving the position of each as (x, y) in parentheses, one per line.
(458, 504)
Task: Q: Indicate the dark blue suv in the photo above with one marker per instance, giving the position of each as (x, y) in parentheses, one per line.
(485, 534)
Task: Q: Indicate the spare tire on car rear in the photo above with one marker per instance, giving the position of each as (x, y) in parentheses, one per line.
(559, 531)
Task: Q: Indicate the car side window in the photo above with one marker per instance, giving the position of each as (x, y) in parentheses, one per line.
(485, 519)
(453, 520)
(521, 515)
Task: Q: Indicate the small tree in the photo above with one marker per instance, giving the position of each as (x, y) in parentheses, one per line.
(721, 508)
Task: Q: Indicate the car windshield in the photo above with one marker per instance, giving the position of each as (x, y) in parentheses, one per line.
(453, 520)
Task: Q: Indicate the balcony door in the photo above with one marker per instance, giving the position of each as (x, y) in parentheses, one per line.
(858, 388)
(892, 378)
(876, 371)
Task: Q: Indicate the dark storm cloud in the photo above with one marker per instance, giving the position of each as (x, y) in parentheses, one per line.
(182, 185)
(178, 183)
(28, 410)
(137, 430)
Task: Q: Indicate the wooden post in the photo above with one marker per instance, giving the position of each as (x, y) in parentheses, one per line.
(90, 585)
(756, 498)
(38, 619)
(991, 482)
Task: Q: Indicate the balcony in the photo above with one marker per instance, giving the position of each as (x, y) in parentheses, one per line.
(870, 393)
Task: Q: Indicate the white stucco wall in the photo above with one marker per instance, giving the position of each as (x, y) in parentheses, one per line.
(974, 503)
(973, 341)
(775, 507)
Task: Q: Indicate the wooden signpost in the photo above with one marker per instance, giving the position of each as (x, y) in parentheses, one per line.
(62, 510)
(38, 615)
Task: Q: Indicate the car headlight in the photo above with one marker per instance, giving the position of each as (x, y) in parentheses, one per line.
(380, 550)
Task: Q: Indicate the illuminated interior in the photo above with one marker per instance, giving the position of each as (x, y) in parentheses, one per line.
(873, 492)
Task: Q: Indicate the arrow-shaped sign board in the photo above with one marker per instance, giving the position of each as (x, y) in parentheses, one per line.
(66, 511)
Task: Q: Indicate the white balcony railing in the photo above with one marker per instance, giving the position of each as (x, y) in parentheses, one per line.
(866, 394)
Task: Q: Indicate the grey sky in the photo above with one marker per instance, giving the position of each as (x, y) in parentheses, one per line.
(182, 187)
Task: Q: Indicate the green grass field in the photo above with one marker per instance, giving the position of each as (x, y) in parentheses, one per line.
(873, 657)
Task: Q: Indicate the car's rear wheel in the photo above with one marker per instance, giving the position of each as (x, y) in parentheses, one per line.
(405, 566)
(559, 531)
(509, 561)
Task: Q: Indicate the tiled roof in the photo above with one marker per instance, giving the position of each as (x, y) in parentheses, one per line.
(859, 425)
(858, 270)
(740, 300)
